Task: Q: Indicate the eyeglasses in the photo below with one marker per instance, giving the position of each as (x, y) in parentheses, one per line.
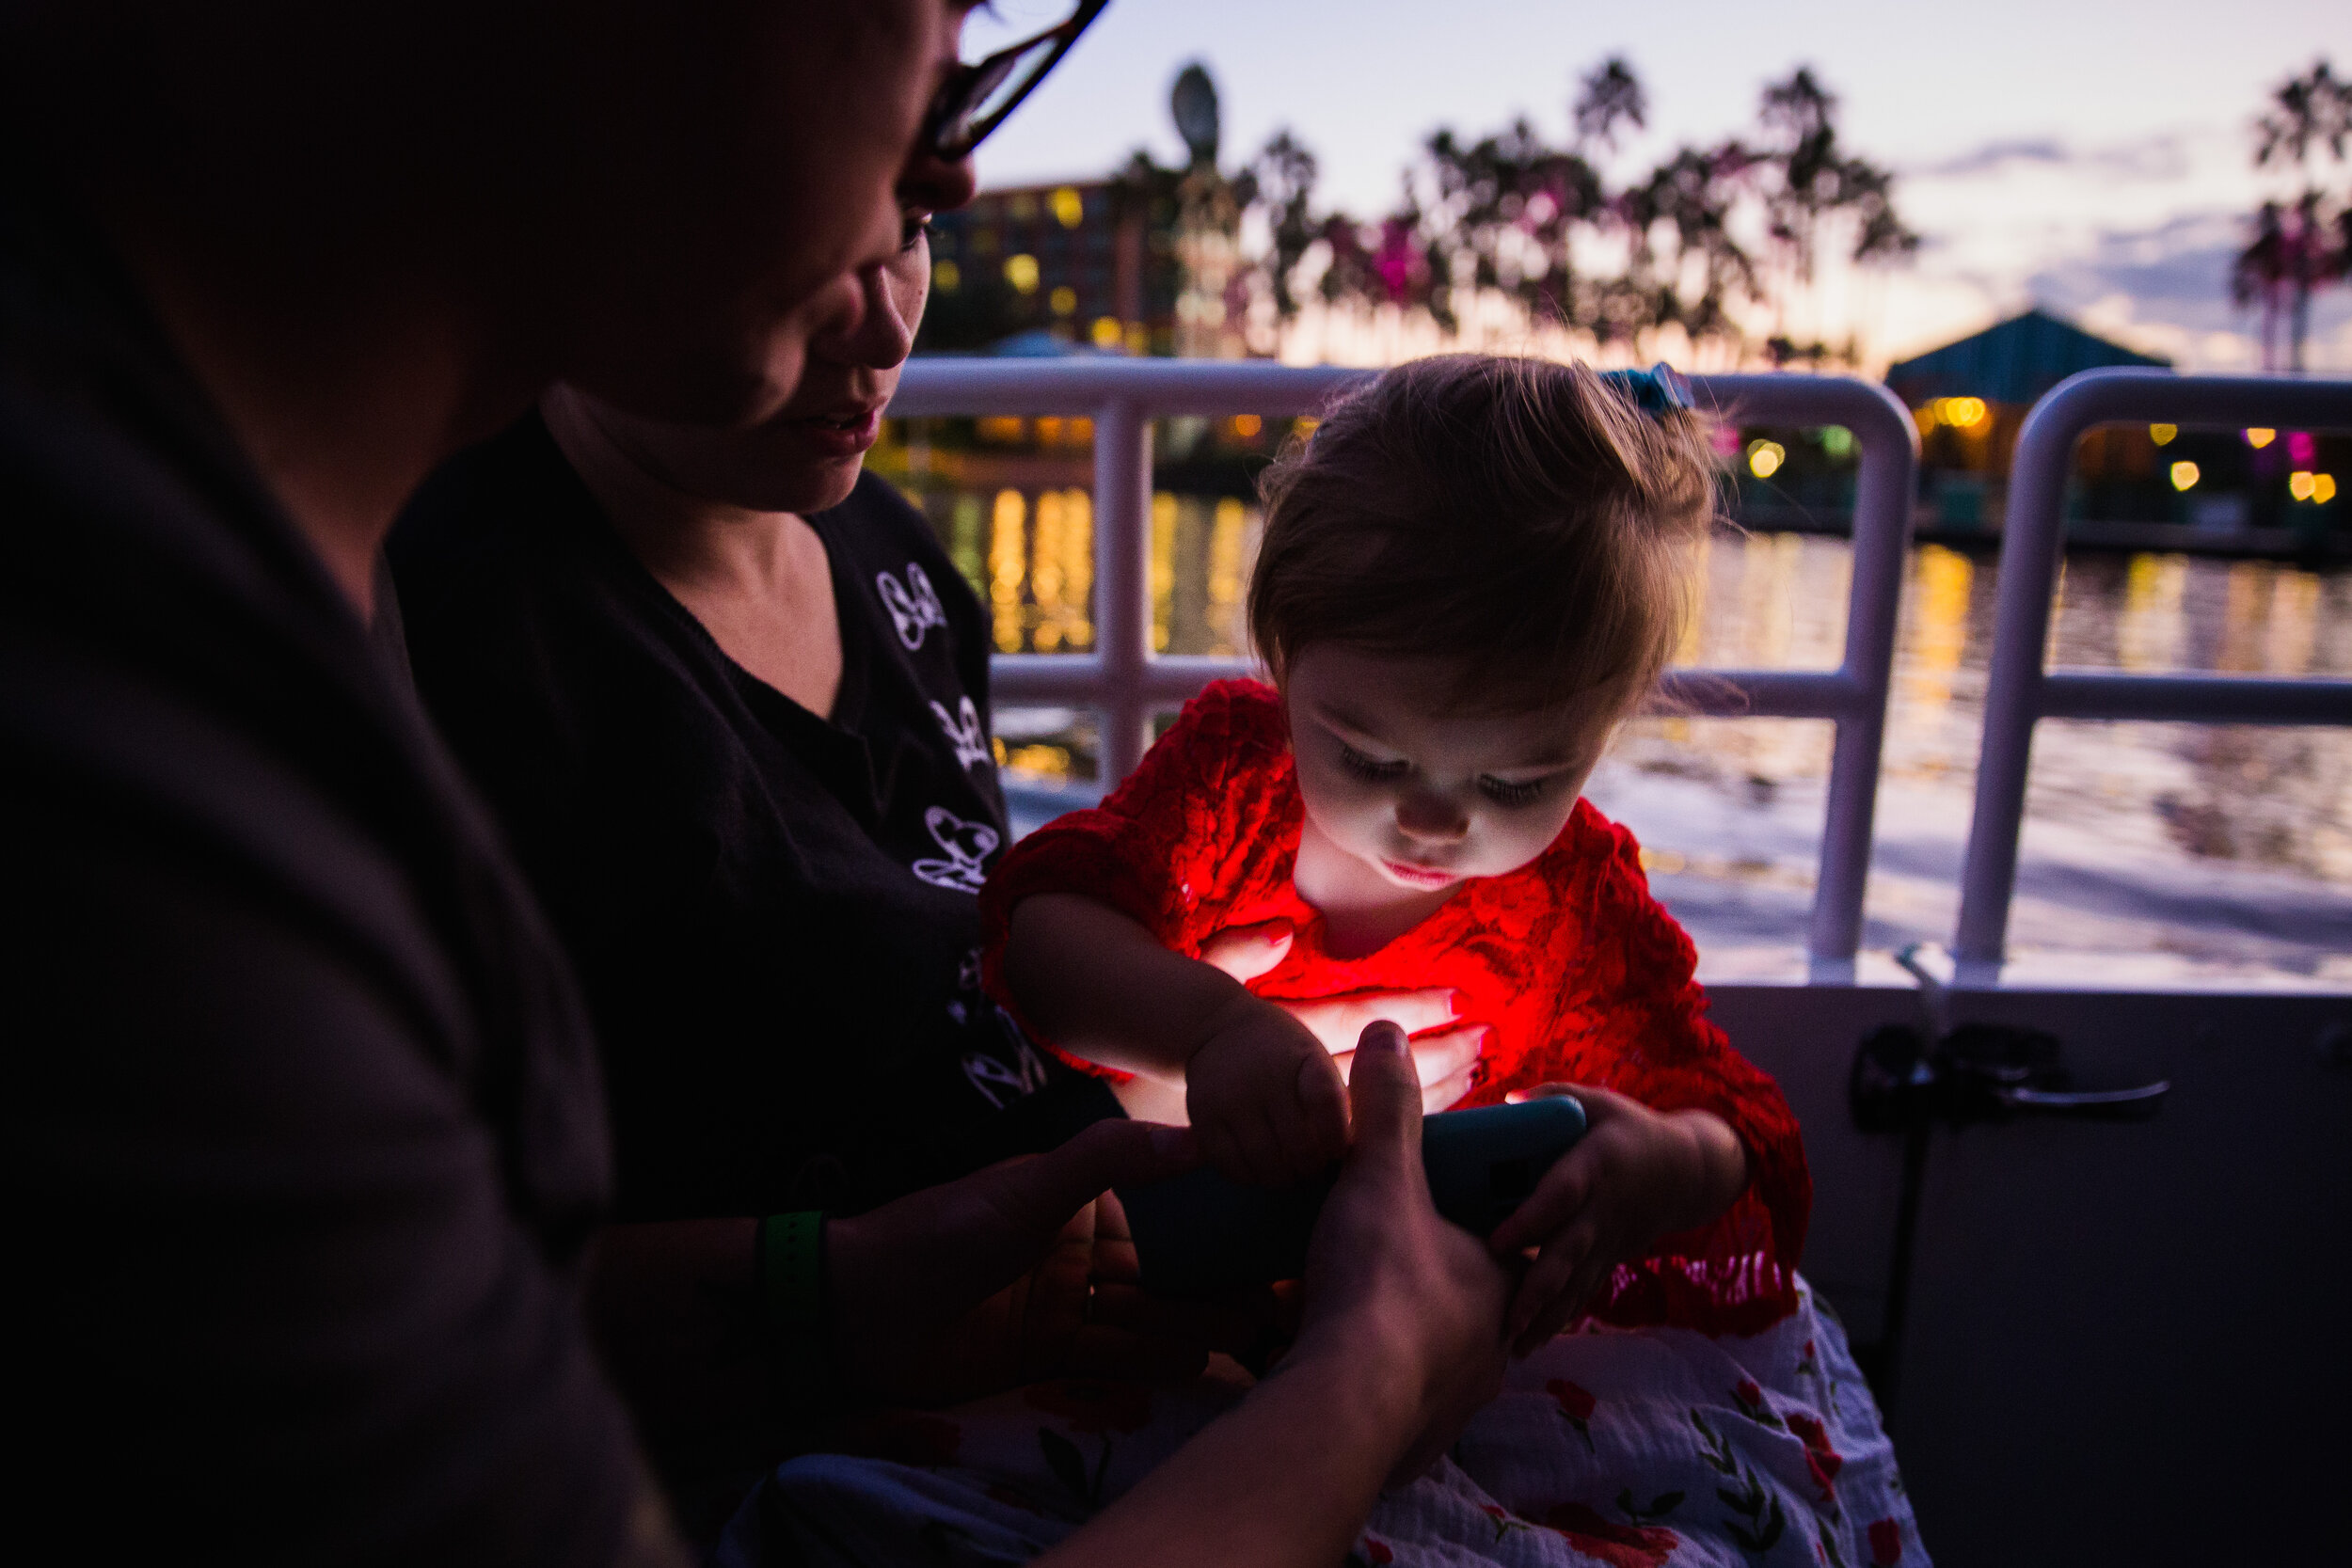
(975, 98)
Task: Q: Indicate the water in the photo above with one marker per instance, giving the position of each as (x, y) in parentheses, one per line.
(2224, 848)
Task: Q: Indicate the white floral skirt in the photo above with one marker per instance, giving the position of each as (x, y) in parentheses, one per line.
(1631, 1448)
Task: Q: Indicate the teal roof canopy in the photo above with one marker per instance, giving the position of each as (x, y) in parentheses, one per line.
(2014, 361)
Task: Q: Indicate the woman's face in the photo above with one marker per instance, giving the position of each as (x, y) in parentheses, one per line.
(731, 179)
(1425, 795)
(805, 457)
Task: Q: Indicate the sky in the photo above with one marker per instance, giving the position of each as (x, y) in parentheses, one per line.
(2091, 158)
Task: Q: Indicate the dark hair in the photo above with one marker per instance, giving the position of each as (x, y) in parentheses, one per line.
(1515, 517)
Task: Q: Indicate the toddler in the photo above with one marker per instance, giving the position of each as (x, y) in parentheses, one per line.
(1472, 571)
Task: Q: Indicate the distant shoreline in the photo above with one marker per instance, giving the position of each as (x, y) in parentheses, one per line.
(2333, 548)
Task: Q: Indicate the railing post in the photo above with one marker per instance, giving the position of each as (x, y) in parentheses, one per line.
(1855, 696)
(1881, 533)
(2032, 535)
(1123, 583)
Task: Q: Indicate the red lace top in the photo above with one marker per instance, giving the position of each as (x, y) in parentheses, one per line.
(1582, 973)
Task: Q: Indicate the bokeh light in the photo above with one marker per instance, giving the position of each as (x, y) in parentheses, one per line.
(1765, 458)
(2162, 433)
(2183, 476)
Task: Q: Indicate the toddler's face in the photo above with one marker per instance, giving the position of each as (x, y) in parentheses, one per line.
(1424, 795)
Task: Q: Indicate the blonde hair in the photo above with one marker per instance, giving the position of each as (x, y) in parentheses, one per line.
(1517, 517)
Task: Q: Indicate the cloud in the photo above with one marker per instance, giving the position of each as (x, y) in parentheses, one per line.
(2161, 156)
(2166, 288)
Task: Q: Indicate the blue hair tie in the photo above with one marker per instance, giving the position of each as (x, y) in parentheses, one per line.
(1656, 392)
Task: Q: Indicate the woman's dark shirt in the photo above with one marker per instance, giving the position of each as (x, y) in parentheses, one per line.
(300, 1114)
(773, 913)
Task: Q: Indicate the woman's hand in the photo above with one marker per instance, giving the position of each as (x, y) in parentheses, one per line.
(1022, 1270)
(1445, 1052)
(1636, 1175)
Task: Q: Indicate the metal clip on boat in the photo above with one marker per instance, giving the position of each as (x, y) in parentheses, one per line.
(1976, 1073)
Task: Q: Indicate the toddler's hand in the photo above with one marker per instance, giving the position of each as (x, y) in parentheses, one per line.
(1264, 1097)
(1636, 1175)
(1445, 1051)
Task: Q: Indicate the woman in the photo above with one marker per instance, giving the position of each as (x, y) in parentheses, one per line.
(730, 699)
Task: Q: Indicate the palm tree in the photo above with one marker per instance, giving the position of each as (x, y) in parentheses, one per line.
(2296, 249)
(1810, 181)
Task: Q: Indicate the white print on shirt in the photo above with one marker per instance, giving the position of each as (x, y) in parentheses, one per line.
(968, 845)
(1017, 1080)
(963, 732)
(914, 608)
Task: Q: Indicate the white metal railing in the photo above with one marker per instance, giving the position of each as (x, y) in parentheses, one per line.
(1126, 683)
(2020, 692)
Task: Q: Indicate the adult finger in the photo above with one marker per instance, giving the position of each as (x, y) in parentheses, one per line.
(1114, 1242)
(1339, 1020)
(1054, 1306)
(1245, 952)
(1037, 1195)
(1559, 1197)
(1384, 1099)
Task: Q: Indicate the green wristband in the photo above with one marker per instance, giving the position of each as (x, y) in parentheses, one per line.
(791, 1263)
(792, 1277)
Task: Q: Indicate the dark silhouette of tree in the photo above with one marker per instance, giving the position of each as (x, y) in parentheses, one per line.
(1280, 183)
(1609, 96)
(2298, 247)
(1810, 183)
(1685, 266)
